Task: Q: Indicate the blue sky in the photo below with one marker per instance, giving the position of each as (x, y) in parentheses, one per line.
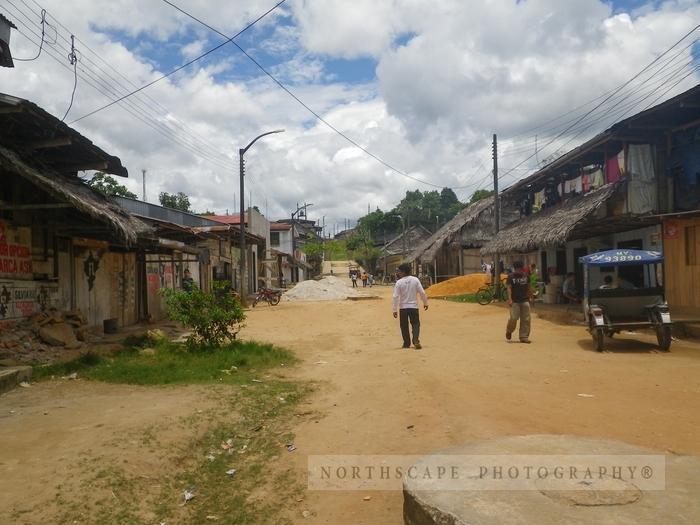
(423, 85)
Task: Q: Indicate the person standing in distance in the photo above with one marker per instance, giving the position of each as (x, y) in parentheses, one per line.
(519, 297)
(405, 305)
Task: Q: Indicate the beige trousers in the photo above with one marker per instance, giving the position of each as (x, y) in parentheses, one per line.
(520, 311)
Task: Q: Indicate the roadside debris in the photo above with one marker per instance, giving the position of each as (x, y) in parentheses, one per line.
(24, 384)
(228, 444)
(306, 514)
(585, 395)
(188, 495)
(231, 472)
(367, 498)
(291, 447)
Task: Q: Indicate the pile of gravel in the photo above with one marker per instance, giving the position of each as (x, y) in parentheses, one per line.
(327, 289)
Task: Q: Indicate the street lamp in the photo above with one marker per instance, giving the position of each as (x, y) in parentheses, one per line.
(242, 261)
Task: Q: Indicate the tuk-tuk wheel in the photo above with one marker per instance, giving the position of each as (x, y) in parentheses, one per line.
(599, 339)
(663, 336)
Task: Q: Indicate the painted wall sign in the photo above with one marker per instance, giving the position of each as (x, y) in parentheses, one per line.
(14, 258)
(23, 298)
(90, 267)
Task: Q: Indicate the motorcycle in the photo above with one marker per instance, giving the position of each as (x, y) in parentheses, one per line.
(268, 294)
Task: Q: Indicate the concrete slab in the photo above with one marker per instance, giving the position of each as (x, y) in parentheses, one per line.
(12, 376)
(605, 501)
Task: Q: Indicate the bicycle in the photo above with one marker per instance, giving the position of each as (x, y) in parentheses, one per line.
(486, 294)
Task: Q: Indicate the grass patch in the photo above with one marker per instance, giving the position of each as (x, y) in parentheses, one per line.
(465, 298)
(171, 363)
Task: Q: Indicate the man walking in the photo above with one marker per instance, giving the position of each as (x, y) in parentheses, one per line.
(519, 297)
(405, 305)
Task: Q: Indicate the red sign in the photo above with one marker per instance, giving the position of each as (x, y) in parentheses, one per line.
(14, 258)
(670, 230)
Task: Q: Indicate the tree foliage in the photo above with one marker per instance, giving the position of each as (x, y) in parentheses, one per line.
(214, 317)
(178, 201)
(479, 195)
(108, 185)
(361, 248)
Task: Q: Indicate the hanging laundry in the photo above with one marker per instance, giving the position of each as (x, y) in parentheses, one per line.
(586, 182)
(621, 162)
(641, 189)
(612, 169)
(539, 200)
(578, 185)
(597, 179)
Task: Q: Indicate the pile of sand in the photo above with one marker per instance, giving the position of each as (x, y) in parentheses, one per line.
(464, 284)
(329, 288)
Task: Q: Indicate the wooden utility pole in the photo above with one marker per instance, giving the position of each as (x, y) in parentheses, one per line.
(497, 216)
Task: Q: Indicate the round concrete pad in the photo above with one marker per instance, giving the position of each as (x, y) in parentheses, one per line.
(602, 500)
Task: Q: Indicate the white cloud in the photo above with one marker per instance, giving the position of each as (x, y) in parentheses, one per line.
(470, 69)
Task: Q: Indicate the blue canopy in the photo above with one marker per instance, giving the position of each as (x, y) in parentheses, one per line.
(622, 258)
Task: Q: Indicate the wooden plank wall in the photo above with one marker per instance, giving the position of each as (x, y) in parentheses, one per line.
(682, 279)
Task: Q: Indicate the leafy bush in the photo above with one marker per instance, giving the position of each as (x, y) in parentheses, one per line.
(214, 317)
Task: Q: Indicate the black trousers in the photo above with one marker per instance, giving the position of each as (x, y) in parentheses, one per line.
(406, 315)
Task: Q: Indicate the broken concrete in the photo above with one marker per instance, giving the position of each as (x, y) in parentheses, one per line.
(12, 376)
(604, 502)
(58, 334)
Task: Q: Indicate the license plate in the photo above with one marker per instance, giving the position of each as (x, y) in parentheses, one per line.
(599, 321)
(665, 317)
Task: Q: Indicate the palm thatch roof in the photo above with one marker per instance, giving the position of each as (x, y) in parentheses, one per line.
(473, 225)
(551, 227)
(414, 236)
(79, 195)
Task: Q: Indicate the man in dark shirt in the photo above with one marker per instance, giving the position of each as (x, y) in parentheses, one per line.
(519, 297)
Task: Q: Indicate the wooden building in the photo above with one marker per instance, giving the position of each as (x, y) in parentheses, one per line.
(62, 244)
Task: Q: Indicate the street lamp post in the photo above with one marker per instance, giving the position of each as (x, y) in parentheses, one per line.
(242, 261)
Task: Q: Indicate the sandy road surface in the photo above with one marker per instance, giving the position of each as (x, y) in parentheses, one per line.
(468, 383)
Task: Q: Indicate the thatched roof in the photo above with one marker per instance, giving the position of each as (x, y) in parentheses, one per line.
(473, 224)
(415, 235)
(79, 195)
(551, 227)
(41, 139)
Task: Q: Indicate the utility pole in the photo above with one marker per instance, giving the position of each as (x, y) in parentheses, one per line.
(497, 215)
(242, 288)
(143, 172)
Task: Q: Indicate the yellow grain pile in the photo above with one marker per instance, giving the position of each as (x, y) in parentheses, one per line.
(464, 284)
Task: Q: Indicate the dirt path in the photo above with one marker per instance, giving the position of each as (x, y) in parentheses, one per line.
(468, 383)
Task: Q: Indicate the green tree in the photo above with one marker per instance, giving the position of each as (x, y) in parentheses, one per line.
(214, 317)
(362, 249)
(108, 185)
(177, 201)
(480, 194)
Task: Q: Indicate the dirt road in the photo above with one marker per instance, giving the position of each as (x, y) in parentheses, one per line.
(468, 383)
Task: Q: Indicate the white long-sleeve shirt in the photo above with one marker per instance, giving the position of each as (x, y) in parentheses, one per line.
(405, 291)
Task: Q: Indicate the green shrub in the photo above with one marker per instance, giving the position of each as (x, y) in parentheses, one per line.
(214, 317)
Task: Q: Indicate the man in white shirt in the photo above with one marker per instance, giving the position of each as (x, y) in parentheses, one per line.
(405, 304)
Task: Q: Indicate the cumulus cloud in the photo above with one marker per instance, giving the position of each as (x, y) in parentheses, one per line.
(467, 70)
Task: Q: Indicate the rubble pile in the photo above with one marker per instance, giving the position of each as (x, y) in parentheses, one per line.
(327, 289)
(39, 337)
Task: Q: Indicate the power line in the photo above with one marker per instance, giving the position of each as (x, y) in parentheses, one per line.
(183, 66)
(41, 44)
(302, 103)
(615, 92)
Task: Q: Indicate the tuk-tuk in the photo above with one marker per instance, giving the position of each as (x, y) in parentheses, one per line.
(608, 309)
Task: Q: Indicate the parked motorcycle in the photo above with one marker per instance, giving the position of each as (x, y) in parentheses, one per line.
(268, 294)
